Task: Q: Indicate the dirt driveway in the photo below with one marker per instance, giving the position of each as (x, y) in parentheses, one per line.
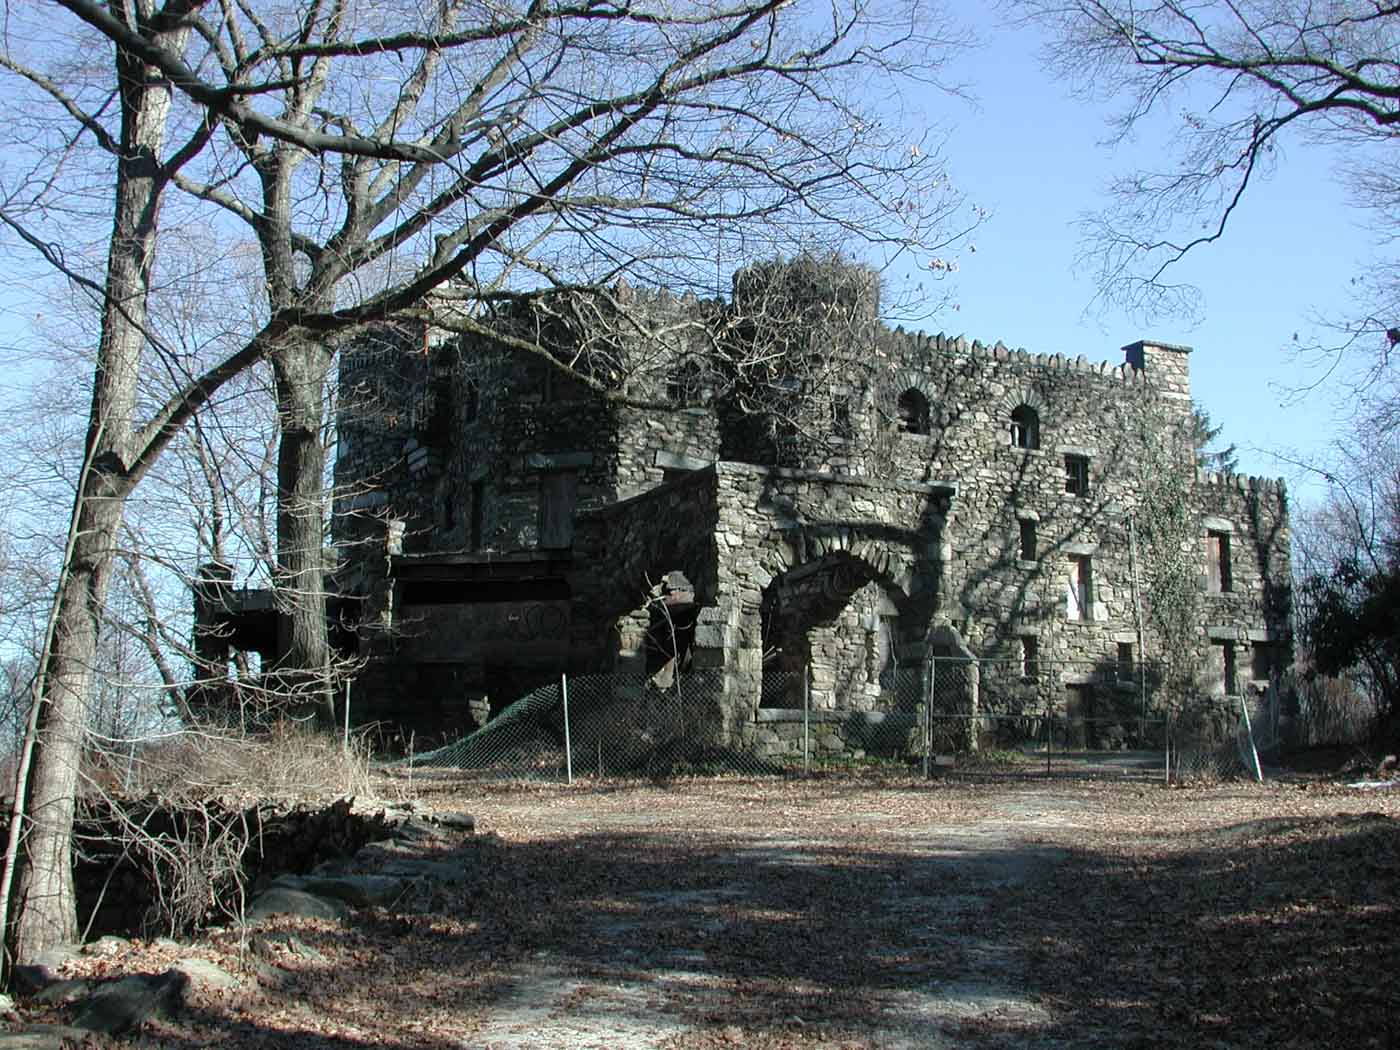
(846, 913)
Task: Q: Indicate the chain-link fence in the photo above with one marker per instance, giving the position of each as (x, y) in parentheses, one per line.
(603, 726)
(1020, 714)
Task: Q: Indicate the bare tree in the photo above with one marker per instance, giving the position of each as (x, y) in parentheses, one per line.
(1348, 581)
(1235, 80)
(374, 155)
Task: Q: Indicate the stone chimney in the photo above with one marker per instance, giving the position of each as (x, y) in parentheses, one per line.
(1167, 367)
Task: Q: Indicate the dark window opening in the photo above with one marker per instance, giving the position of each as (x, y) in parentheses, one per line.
(1262, 661)
(1025, 428)
(1228, 678)
(1028, 540)
(1030, 655)
(1077, 475)
(449, 512)
(913, 412)
(1126, 667)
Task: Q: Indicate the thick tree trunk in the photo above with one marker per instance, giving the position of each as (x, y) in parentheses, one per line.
(46, 905)
(45, 909)
(301, 460)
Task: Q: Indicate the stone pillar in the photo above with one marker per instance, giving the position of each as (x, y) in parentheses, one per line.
(728, 661)
(631, 660)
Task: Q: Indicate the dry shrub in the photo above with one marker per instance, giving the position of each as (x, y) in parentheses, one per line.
(290, 763)
(1333, 711)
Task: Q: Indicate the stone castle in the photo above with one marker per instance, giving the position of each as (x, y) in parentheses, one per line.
(780, 483)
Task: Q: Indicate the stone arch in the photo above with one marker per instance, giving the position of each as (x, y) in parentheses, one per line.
(1025, 427)
(912, 409)
(641, 552)
(840, 608)
(914, 403)
(1027, 400)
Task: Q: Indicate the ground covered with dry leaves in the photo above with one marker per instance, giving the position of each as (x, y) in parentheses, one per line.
(846, 912)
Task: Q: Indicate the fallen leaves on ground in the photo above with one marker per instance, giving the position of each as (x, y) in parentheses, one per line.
(846, 913)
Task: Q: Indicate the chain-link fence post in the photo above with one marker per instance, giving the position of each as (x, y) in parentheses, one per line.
(806, 721)
(929, 672)
(568, 746)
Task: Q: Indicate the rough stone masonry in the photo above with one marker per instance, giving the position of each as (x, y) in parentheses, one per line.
(799, 495)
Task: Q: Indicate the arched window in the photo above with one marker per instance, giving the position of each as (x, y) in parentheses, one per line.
(913, 412)
(1025, 427)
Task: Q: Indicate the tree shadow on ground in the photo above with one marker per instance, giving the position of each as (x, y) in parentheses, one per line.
(1276, 932)
(1272, 933)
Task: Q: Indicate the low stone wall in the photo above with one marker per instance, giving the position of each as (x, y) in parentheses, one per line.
(776, 734)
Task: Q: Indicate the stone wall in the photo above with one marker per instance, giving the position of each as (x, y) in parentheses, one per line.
(981, 492)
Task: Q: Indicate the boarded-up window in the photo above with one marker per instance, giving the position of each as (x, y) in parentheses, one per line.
(558, 495)
(1079, 588)
(1218, 562)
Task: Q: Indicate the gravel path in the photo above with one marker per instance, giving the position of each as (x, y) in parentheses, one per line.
(813, 934)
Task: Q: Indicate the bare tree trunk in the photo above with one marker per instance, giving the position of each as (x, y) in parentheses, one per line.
(300, 370)
(45, 907)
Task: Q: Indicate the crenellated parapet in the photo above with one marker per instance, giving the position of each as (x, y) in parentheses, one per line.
(922, 346)
(1246, 483)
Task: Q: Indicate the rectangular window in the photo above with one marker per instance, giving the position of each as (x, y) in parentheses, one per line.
(1030, 653)
(1076, 475)
(1125, 662)
(1218, 562)
(1262, 661)
(558, 496)
(1229, 680)
(1027, 540)
(1079, 589)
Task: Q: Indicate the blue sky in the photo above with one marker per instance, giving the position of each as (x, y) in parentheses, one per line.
(1032, 155)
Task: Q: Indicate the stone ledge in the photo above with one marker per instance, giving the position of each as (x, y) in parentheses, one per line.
(869, 718)
(731, 467)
